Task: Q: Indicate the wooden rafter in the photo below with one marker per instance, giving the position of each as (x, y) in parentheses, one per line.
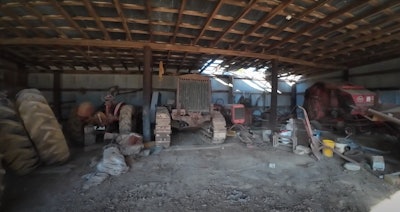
(353, 33)
(99, 23)
(178, 22)
(21, 21)
(290, 23)
(10, 28)
(389, 38)
(42, 18)
(357, 3)
(148, 13)
(359, 17)
(234, 22)
(343, 46)
(88, 58)
(67, 17)
(265, 19)
(160, 47)
(123, 19)
(208, 21)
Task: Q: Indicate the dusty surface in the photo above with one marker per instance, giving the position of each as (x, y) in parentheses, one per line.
(188, 177)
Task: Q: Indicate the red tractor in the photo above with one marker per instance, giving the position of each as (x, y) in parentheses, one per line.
(342, 107)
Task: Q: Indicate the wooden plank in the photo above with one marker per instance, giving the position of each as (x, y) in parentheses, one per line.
(208, 21)
(355, 4)
(148, 13)
(362, 44)
(42, 18)
(92, 12)
(290, 23)
(67, 17)
(364, 15)
(248, 8)
(178, 22)
(123, 19)
(265, 19)
(159, 47)
(338, 40)
(17, 19)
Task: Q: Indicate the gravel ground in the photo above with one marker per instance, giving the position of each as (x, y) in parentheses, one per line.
(194, 177)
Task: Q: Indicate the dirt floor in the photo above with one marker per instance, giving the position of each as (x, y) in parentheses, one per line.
(192, 176)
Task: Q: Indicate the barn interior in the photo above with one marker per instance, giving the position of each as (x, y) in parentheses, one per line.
(188, 105)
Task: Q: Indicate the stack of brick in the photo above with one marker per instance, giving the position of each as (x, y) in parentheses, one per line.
(163, 127)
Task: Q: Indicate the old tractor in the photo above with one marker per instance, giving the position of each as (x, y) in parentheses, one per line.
(193, 109)
(342, 107)
(111, 117)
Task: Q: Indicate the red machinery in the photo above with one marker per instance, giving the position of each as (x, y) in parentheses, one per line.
(233, 113)
(339, 106)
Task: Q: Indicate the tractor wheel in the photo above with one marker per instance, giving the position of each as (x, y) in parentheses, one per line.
(30, 95)
(75, 129)
(125, 119)
(19, 154)
(44, 130)
(218, 125)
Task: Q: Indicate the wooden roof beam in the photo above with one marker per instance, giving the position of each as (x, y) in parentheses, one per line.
(290, 23)
(148, 12)
(88, 58)
(158, 47)
(389, 38)
(12, 29)
(68, 18)
(178, 22)
(374, 57)
(7, 12)
(123, 19)
(42, 18)
(355, 4)
(208, 21)
(364, 15)
(248, 8)
(353, 33)
(353, 43)
(92, 12)
(119, 58)
(265, 19)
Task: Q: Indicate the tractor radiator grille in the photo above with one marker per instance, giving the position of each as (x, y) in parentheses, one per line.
(194, 95)
(239, 113)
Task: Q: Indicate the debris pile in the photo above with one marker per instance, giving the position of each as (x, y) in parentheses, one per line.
(114, 158)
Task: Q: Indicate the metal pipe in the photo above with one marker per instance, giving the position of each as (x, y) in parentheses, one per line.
(384, 116)
(147, 90)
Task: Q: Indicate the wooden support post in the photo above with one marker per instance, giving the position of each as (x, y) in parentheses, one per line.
(293, 99)
(230, 93)
(274, 94)
(57, 93)
(147, 90)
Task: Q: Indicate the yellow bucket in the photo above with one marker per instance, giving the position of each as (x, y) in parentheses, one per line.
(326, 151)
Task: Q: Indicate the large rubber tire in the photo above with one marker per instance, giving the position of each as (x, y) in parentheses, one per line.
(30, 95)
(125, 119)
(44, 130)
(75, 129)
(20, 155)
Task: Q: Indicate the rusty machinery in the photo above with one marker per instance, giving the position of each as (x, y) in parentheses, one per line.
(111, 117)
(193, 109)
(342, 107)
